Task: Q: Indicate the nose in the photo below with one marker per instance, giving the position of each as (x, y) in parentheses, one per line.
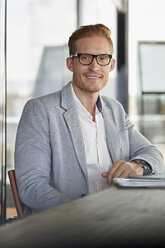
(94, 65)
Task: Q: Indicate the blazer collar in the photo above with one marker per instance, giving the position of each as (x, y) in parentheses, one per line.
(67, 100)
(72, 120)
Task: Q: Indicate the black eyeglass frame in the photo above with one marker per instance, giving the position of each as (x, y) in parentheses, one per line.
(93, 55)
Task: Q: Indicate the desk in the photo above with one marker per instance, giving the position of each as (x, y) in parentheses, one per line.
(115, 217)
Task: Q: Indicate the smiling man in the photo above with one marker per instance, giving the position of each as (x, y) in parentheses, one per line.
(74, 142)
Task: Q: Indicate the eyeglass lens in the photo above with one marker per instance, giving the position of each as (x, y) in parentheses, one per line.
(87, 59)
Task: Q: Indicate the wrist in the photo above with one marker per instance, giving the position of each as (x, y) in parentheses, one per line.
(144, 165)
(138, 168)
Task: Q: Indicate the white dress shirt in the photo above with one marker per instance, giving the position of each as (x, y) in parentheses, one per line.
(94, 139)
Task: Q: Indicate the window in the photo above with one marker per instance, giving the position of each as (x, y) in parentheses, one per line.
(152, 90)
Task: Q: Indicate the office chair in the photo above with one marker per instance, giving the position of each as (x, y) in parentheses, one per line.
(18, 204)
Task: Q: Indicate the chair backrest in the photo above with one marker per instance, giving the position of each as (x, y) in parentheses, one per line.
(18, 204)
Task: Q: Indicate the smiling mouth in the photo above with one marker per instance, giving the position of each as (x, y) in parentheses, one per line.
(93, 77)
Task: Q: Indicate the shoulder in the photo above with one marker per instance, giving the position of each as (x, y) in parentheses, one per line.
(52, 101)
(47, 102)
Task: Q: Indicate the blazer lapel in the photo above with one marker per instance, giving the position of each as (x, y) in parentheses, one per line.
(112, 135)
(73, 124)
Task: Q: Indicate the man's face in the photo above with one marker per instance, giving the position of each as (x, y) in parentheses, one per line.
(90, 78)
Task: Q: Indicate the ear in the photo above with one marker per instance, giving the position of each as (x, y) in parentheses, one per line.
(69, 63)
(112, 65)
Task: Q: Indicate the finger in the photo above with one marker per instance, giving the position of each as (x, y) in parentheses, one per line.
(115, 167)
(114, 171)
(124, 171)
(125, 174)
(105, 174)
(120, 172)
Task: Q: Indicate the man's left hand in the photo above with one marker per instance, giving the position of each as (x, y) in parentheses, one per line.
(123, 169)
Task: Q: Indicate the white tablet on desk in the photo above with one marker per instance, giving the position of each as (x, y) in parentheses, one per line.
(141, 182)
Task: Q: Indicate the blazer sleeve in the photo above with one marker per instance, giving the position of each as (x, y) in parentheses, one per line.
(141, 148)
(33, 160)
(132, 142)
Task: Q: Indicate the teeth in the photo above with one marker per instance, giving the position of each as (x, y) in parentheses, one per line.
(91, 77)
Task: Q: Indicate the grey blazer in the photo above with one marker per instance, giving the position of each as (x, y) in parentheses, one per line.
(50, 162)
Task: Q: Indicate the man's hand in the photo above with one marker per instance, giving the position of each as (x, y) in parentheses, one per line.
(123, 169)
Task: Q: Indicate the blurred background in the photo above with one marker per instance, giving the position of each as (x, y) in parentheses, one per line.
(33, 52)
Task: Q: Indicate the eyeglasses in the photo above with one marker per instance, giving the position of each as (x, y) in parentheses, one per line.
(87, 59)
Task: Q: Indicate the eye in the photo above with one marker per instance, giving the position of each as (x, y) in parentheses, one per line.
(85, 57)
(102, 57)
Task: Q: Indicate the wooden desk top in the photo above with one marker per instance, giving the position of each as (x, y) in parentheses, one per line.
(115, 217)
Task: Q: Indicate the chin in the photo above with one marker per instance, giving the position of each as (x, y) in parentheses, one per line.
(94, 89)
(97, 87)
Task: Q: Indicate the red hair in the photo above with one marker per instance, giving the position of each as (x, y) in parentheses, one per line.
(89, 31)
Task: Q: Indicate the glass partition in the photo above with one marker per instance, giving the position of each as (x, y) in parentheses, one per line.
(146, 74)
(37, 35)
(152, 90)
(151, 65)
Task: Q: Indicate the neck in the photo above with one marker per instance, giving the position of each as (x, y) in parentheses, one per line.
(87, 99)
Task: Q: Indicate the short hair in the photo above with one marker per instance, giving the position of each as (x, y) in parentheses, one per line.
(89, 31)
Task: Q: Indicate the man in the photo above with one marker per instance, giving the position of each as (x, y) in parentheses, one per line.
(74, 142)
